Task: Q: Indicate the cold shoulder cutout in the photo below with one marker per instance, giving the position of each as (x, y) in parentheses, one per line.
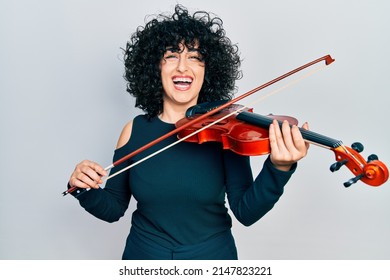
(125, 135)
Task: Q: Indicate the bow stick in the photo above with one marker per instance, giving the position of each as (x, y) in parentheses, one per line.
(327, 58)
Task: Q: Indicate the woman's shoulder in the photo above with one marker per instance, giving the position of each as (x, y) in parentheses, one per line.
(125, 135)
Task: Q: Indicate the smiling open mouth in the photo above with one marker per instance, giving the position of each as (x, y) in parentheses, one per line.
(182, 83)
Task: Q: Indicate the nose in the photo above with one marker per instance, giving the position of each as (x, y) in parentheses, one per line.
(182, 64)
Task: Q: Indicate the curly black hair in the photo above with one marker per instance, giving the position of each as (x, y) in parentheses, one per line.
(148, 44)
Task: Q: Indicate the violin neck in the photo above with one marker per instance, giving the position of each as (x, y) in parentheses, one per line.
(310, 136)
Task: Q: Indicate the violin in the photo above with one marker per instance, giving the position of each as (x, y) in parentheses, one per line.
(250, 135)
(246, 133)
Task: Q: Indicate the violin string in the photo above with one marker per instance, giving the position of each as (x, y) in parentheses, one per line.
(244, 107)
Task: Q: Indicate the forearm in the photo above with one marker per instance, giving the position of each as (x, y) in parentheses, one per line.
(250, 200)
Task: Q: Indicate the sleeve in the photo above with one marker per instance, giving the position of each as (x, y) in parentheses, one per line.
(249, 199)
(109, 204)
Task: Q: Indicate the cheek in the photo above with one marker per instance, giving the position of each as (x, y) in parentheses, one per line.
(201, 77)
(164, 76)
(164, 84)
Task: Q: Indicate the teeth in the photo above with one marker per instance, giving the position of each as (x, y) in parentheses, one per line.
(182, 80)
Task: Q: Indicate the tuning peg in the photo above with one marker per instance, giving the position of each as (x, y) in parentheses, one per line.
(372, 157)
(352, 181)
(337, 165)
(358, 147)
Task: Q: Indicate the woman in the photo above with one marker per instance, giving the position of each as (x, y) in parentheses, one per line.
(173, 63)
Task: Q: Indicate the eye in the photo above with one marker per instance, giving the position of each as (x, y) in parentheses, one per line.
(195, 57)
(170, 56)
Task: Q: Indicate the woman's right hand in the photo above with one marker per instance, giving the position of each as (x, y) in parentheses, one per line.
(87, 174)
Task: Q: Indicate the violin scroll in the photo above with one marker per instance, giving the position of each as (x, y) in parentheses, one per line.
(373, 172)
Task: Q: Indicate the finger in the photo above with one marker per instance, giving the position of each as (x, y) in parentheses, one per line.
(92, 174)
(86, 181)
(279, 135)
(79, 183)
(95, 166)
(272, 136)
(299, 142)
(87, 174)
(99, 169)
(306, 127)
(280, 157)
(287, 139)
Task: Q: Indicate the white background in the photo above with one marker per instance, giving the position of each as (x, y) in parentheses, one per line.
(63, 99)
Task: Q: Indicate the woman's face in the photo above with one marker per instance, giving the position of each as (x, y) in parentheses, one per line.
(182, 74)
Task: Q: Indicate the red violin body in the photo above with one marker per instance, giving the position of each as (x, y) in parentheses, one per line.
(238, 136)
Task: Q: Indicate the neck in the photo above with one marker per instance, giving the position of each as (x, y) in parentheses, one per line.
(172, 113)
(309, 136)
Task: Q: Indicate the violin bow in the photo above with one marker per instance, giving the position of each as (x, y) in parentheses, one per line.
(327, 59)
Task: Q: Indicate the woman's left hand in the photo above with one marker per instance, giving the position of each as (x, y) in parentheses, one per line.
(287, 145)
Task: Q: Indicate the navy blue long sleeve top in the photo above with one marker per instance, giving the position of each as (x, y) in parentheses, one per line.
(181, 192)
